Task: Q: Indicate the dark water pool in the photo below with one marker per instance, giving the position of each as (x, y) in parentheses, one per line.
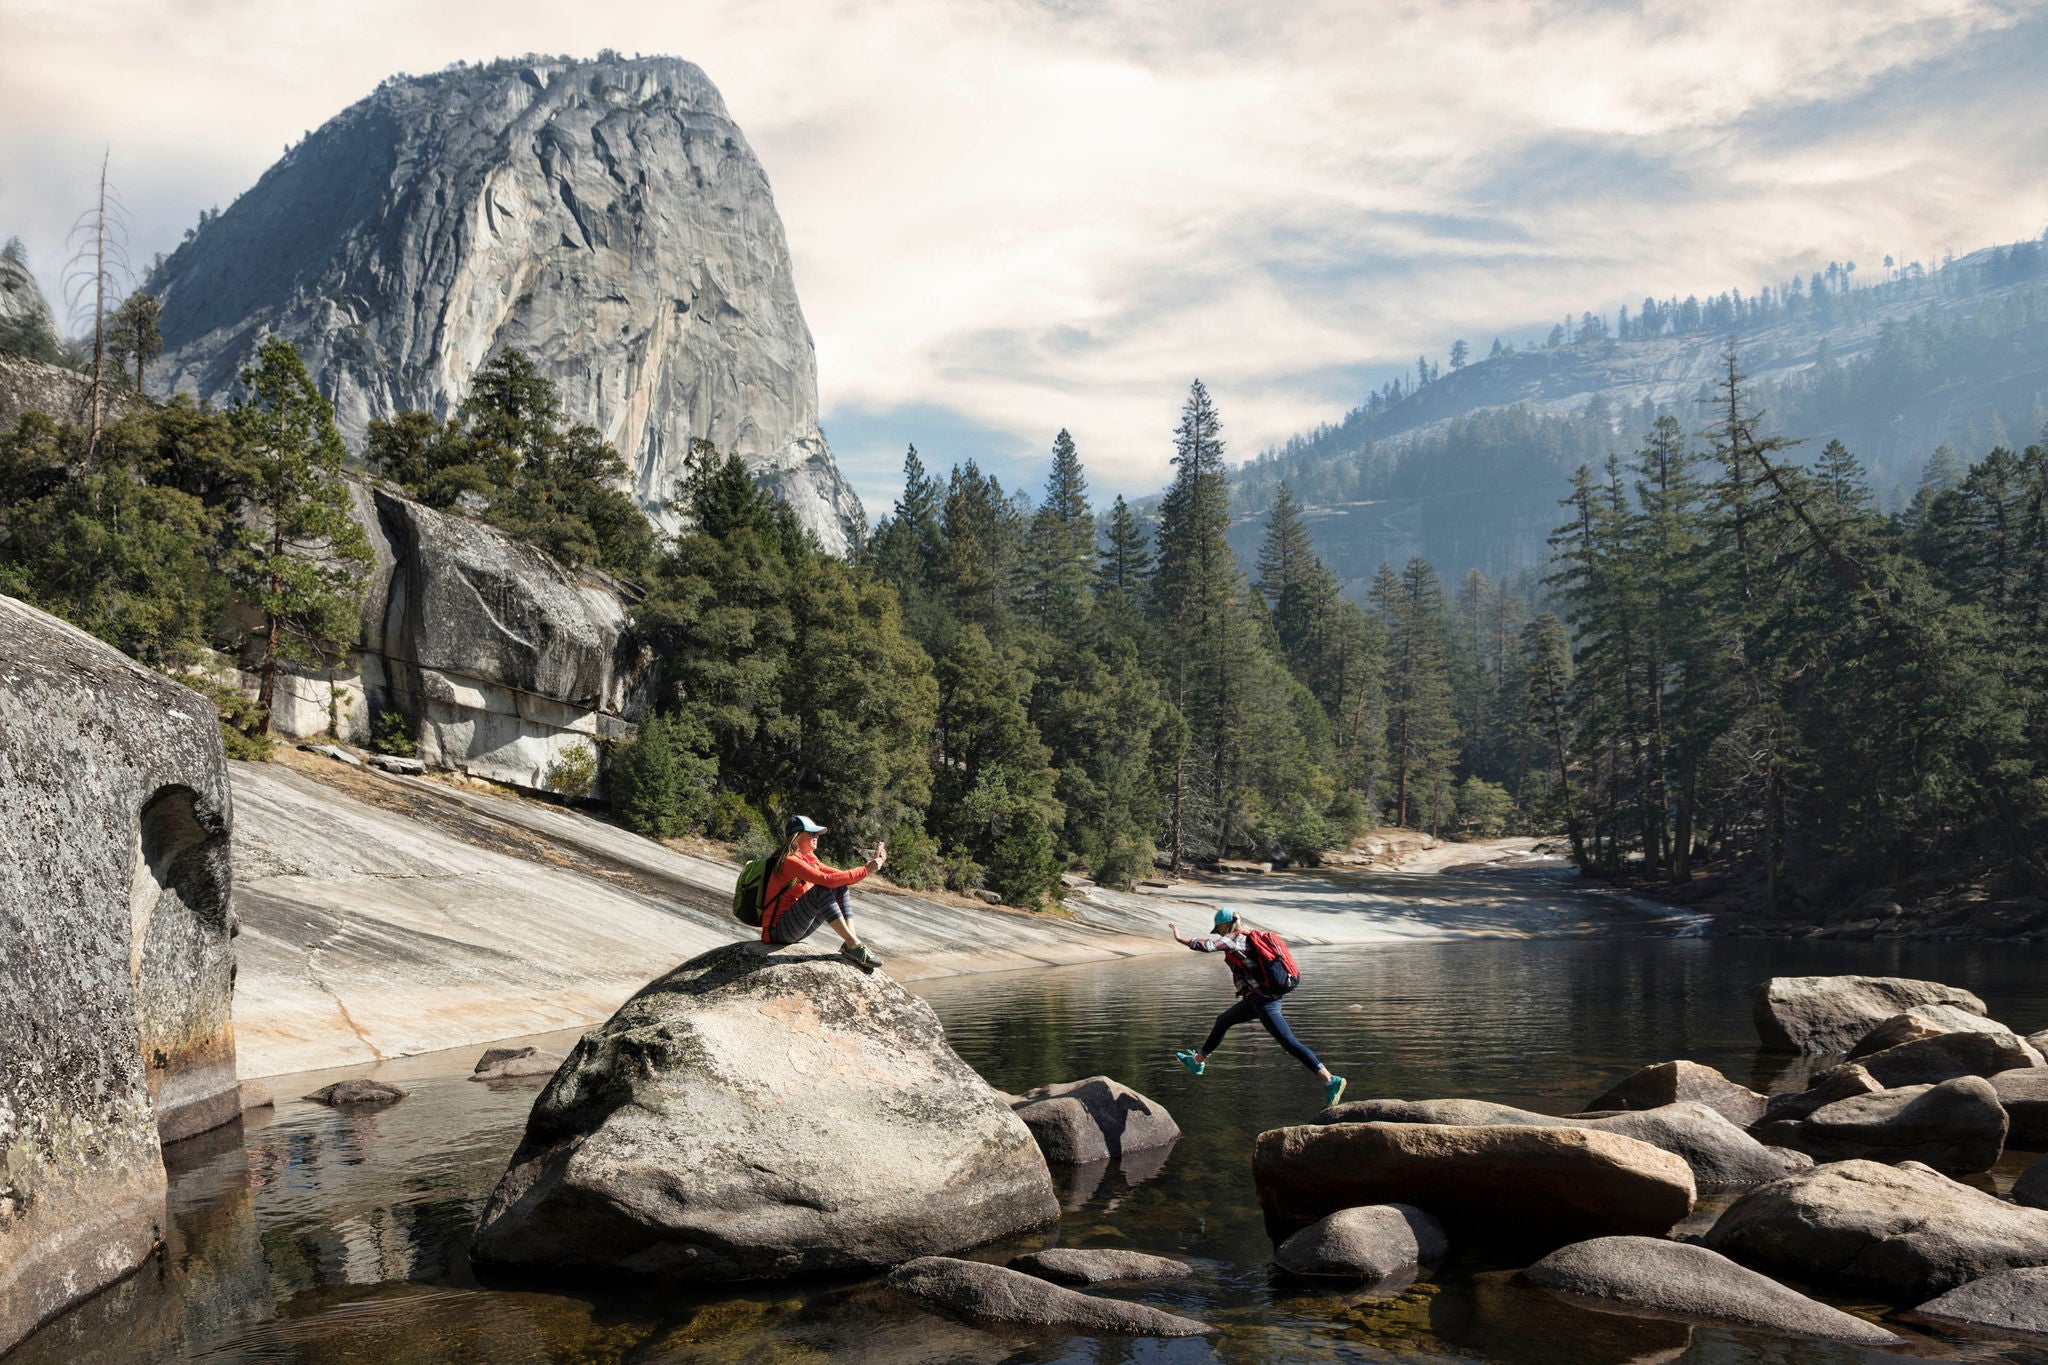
(321, 1237)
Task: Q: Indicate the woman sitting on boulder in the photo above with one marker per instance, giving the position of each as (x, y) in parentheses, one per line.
(803, 893)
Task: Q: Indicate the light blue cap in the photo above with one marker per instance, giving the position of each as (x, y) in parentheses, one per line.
(804, 823)
(1224, 915)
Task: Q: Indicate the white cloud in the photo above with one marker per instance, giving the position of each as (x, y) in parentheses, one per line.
(1038, 215)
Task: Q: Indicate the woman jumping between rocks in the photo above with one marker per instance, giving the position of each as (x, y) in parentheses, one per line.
(802, 893)
(1264, 971)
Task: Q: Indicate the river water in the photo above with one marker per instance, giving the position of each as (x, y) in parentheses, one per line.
(328, 1237)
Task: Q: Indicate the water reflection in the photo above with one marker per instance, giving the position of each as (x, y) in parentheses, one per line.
(333, 1236)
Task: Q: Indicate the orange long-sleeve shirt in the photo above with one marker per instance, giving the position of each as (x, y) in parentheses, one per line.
(796, 874)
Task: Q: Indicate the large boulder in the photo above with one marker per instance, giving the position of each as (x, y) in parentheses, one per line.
(1902, 1233)
(2024, 1093)
(760, 1113)
(1957, 1127)
(985, 1293)
(1823, 1014)
(1373, 1242)
(1098, 1265)
(1533, 1184)
(1931, 1061)
(1924, 1021)
(1653, 1087)
(1693, 1282)
(1722, 1156)
(116, 961)
(2008, 1301)
(1096, 1119)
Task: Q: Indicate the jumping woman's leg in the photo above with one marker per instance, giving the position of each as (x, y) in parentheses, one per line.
(1243, 1012)
(1276, 1024)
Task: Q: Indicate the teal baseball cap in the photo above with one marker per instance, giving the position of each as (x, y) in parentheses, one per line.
(803, 824)
(1224, 915)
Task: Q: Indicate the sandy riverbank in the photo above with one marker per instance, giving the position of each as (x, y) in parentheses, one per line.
(384, 917)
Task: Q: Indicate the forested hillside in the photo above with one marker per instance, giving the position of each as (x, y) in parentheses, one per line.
(1463, 462)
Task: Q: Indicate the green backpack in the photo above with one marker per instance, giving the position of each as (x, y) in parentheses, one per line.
(751, 891)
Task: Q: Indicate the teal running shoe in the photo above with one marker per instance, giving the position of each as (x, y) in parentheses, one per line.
(1333, 1091)
(1193, 1063)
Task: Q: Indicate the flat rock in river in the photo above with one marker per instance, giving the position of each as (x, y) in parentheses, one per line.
(1371, 1242)
(2024, 1093)
(1957, 1127)
(760, 1113)
(1539, 1184)
(1673, 1277)
(1653, 1087)
(1902, 1233)
(1822, 1014)
(1094, 1119)
(2010, 1300)
(360, 1092)
(1098, 1265)
(989, 1293)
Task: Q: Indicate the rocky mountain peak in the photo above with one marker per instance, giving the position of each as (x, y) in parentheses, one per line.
(607, 217)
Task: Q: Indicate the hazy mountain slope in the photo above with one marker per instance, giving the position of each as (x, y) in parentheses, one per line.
(607, 217)
(1467, 470)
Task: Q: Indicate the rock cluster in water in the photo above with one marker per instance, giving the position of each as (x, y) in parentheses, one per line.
(116, 966)
(606, 217)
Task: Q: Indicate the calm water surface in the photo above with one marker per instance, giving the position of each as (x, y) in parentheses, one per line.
(322, 1237)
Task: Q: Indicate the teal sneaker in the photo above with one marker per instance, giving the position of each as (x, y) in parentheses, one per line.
(1192, 1062)
(1333, 1091)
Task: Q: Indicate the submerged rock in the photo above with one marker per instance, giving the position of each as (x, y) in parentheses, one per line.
(1543, 1184)
(1822, 1014)
(514, 1063)
(1957, 1127)
(1371, 1242)
(1100, 1265)
(1901, 1233)
(2011, 1300)
(116, 960)
(2024, 1093)
(1722, 1156)
(358, 1092)
(989, 1293)
(1653, 1087)
(1673, 1277)
(760, 1113)
(1094, 1120)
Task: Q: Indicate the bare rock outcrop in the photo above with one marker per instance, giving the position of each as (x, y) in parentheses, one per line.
(762, 1113)
(117, 969)
(607, 217)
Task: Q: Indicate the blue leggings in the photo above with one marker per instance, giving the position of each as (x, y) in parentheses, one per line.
(1265, 1009)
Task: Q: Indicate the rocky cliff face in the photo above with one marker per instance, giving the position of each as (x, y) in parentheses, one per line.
(21, 300)
(606, 217)
(116, 961)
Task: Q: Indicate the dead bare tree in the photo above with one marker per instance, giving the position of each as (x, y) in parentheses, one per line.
(99, 259)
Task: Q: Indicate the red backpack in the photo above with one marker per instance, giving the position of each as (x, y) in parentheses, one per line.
(1271, 962)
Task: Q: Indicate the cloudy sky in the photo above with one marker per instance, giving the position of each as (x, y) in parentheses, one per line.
(1010, 217)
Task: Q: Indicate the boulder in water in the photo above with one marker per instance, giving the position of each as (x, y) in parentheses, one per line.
(1931, 1061)
(759, 1113)
(1077, 1266)
(1902, 1233)
(1823, 1014)
(2008, 1301)
(2031, 1189)
(1095, 1119)
(1461, 1113)
(2024, 1093)
(1693, 1282)
(363, 1092)
(514, 1063)
(987, 1293)
(1371, 1242)
(1653, 1087)
(1538, 1184)
(1957, 1127)
(1923, 1022)
(116, 956)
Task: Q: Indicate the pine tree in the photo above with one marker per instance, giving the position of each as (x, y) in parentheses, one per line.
(1421, 730)
(1125, 561)
(1061, 545)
